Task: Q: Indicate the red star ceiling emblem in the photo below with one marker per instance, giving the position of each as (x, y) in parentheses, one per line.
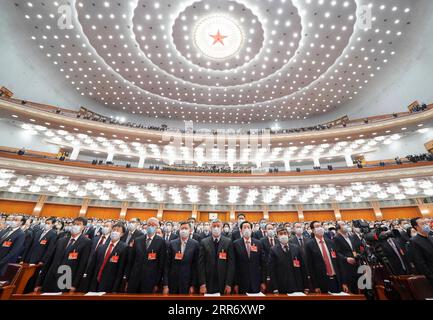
(218, 37)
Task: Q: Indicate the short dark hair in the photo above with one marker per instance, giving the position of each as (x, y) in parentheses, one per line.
(245, 222)
(414, 221)
(241, 214)
(183, 223)
(120, 225)
(169, 222)
(52, 219)
(192, 218)
(80, 219)
(312, 223)
(280, 229)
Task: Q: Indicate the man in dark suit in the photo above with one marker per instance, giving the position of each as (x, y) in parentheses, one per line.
(206, 231)
(107, 267)
(236, 234)
(168, 232)
(73, 252)
(261, 233)
(324, 267)
(250, 272)
(216, 262)
(133, 232)
(89, 230)
(347, 251)
(286, 266)
(396, 253)
(422, 248)
(269, 241)
(299, 238)
(11, 242)
(147, 261)
(29, 232)
(98, 241)
(403, 225)
(42, 245)
(181, 267)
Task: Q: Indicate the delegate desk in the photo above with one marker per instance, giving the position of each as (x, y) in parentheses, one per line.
(82, 296)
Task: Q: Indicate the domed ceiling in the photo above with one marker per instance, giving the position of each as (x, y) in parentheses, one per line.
(230, 62)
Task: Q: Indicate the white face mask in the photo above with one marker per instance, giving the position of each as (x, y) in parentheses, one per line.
(14, 224)
(115, 235)
(48, 227)
(168, 228)
(319, 231)
(246, 233)
(132, 226)
(105, 231)
(226, 229)
(75, 229)
(299, 231)
(284, 239)
(184, 233)
(271, 233)
(216, 232)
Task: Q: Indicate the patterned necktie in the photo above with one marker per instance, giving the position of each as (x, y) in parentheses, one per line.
(148, 240)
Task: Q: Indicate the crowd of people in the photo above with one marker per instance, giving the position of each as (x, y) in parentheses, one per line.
(190, 257)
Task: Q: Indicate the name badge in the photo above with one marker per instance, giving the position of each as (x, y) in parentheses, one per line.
(43, 242)
(333, 254)
(151, 256)
(114, 259)
(253, 248)
(361, 248)
(296, 263)
(7, 244)
(354, 254)
(223, 255)
(73, 255)
(178, 256)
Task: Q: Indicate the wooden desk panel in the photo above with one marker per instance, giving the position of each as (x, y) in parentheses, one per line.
(81, 296)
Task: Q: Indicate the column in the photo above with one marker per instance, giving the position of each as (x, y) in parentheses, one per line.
(316, 162)
(376, 209)
(266, 212)
(84, 206)
(424, 208)
(194, 212)
(336, 209)
(160, 211)
(75, 153)
(349, 161)
(141, 161)
(300, 209)
(39, 205)
(110, 157)
(232, 216)
(123, 210)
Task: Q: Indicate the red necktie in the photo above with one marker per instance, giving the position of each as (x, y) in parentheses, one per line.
(107, 256)
(101, 241)
(248, 246)
(326, 259)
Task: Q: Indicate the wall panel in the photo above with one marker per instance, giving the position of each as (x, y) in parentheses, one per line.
(319, 215)
(397, 213)
(8, 207)
(103, 213)
(60, 210)
(203, 216)
(291, 216)
(176, 215)
(142, 214)
(365, 214)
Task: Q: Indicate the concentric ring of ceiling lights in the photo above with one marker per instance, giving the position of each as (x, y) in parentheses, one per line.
(131, 55)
